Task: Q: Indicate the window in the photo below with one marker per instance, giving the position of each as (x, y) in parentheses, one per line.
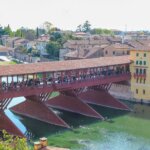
(141, 80)
(137, 70)
(144, 92)
(137, 54)
(137, 62)
(144, 71)
(144, 54)
(140, 62)
(123, 52)
(136, 91)
(137, 80)
(144, 81)
(144, 62)
(140, 71)
(113, 52)
(106, 52)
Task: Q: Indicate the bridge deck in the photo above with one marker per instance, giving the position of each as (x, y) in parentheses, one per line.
(21, 69)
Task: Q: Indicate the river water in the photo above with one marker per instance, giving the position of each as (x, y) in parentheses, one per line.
(111, 140)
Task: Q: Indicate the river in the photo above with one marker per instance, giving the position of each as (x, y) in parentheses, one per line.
(102, 136)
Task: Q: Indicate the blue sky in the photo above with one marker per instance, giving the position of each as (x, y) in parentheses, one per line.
(68, 14)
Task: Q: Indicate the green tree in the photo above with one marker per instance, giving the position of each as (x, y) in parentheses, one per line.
(102, 31)
(37, 32)
(53, 49)
(47, 26)
(18, 33)
(55, 36)
(30, 34)
(8, 31)
(8, 142)
(86, 26)
(1, 31)
(79, 28)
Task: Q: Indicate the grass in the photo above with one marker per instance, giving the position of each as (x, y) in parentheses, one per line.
(7, 62)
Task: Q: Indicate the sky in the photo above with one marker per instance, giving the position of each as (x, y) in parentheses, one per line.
(68, 14)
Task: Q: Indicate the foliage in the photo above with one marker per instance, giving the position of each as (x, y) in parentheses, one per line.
(55, 36)
(41, 31)
(22, 49)
(35, 53)
(18, 33)
(101, 31)
(53, 49)
(79, 28)
(8, 142)
(86, 27)
(1, 31)
(8, 31)
(47, 26)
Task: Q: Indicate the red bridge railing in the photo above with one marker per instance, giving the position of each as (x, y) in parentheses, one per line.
(60, 86)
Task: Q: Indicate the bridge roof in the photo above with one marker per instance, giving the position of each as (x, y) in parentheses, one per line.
(62, 65)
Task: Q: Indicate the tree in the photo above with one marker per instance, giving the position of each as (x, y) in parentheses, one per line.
(1, 31)
(97, 31)
(41, 31)
(55, 36)
(18, 33)
(47, 26)
(37, 32)
(102, 31)
(79, 28)
(86, 26)
(29, 34)
(53, 49)
(8, 31)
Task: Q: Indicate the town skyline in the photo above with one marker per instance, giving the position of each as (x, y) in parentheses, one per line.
(67, 15)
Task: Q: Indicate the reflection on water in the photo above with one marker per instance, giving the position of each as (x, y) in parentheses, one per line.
(111, 141)
(117, 141)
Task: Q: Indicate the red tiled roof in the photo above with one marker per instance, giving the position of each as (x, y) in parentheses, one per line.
(62, 65)
(141, 48)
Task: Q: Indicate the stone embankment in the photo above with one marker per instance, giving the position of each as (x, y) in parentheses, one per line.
(123, 92)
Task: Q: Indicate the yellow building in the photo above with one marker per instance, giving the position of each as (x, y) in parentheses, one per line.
(140, 71)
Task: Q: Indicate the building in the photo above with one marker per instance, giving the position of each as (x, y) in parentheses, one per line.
(140, 71)
(6, 51)
(116, 49)
(97, 46)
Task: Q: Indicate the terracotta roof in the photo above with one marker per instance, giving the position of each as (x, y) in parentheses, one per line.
(141, 48)
(62, 65)
(117, 47)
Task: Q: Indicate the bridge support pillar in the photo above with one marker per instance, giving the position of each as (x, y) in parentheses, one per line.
(68, 101)
(98, 95)
(5, 122)
(35, 107)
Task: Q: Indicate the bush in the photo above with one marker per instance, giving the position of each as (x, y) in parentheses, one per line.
(9, 142)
